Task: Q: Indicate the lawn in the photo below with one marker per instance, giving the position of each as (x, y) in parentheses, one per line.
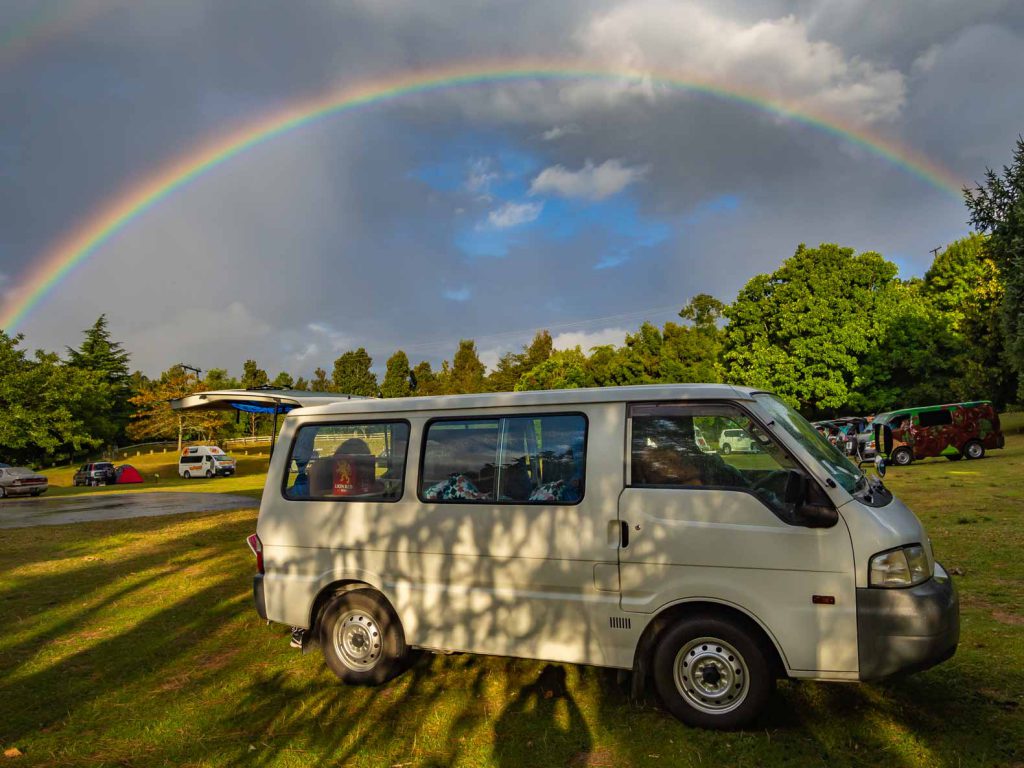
(160, 473)
(135, 643)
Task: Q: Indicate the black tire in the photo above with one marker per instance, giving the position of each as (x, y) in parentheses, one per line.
(902, 456)
(362, 639)
(726, 449)
(209, 474)
(974, 450)
(954, 456)
(706, 645)
(3, 492)
(188, 475)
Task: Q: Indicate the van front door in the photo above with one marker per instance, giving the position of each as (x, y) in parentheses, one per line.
(713, 525)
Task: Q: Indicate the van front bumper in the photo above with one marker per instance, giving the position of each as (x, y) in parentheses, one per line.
(258, 597)
(907, 630)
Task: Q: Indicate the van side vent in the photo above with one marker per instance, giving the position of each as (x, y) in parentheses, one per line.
(619, 622)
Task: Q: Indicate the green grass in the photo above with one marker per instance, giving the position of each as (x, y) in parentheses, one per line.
(135, 643)
(160, 473)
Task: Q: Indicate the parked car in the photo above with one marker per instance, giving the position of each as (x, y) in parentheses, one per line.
(99, 473)
(205, 461)
(736, 441)
(588, 527)
(955, 430)
(21, 481)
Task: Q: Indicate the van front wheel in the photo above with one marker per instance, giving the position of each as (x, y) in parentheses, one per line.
(362, 639)
(902, 456)
(712, 673)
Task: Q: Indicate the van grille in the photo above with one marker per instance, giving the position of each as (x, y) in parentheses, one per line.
(619, 622)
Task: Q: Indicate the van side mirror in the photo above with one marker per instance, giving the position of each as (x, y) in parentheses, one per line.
(814, 509)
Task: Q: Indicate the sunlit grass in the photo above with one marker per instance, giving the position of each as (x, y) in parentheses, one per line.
(135, 642)
(159, 472)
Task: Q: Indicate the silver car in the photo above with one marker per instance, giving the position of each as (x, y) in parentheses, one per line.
(21, 481)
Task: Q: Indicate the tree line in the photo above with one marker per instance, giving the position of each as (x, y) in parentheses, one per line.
(831, 330)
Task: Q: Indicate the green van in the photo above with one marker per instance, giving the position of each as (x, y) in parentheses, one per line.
(955, 430)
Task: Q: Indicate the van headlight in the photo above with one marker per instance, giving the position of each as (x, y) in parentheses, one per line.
(903, 567)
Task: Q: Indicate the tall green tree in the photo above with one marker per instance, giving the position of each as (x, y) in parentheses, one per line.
(153, 418)
(352, 374)
(253, 377)
(283, 380)
(562, 369)
(320, 381)
(997, 208)
(107, 358)
(302, 385)
(912, 357)
(802, 330)
(398, 377)
(467, 373)
(512, 365)
(966, 285)
(424, 380)
(42, 403)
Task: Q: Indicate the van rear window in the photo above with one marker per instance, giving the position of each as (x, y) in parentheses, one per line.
(362, 461)
(506, 460)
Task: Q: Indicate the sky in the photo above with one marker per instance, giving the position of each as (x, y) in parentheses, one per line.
(488, 210)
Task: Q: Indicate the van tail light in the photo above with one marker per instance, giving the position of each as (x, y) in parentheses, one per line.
(257, 549)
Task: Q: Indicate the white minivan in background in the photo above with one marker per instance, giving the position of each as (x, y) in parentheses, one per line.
(204, 461)
(590, 526)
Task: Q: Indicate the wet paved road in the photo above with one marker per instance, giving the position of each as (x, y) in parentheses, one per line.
(110, 506)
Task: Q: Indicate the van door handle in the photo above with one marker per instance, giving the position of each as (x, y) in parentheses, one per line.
(623, 533)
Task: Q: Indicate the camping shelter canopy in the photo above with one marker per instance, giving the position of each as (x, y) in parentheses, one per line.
(259, 400)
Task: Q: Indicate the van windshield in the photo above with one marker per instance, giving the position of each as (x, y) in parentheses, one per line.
(825, 453)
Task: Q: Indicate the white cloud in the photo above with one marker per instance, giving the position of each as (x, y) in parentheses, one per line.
(462, 293)
(336, 340)
(481, 174)
(591, 182)
(514, 214)
(775, 55)
(560, 131)
(585, 340)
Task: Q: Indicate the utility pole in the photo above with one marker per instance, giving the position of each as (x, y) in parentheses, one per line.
(935, 251)
(199, 374)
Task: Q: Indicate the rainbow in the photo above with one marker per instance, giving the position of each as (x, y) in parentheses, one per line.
(115, 215)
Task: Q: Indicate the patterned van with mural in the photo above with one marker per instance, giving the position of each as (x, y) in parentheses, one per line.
(955, 431)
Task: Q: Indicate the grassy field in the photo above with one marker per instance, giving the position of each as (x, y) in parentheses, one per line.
(135, 643)
(160, 473)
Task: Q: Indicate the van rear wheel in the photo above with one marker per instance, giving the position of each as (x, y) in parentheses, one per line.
(974, 450)
(362, 638)
(188, 475)
(711, 672)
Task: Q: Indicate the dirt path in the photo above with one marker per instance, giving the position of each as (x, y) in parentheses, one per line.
(78, 509)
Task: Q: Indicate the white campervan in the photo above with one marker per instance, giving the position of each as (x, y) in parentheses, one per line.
(204, 461)
(590, 526)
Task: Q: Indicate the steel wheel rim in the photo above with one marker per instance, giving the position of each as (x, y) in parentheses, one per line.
(973, 450)
(902, 458)
(357, 640)
(711, 675)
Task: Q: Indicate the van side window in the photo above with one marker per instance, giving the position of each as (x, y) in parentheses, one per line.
(510, 460)
(707, 446)
(348, 462)
(935, 418)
